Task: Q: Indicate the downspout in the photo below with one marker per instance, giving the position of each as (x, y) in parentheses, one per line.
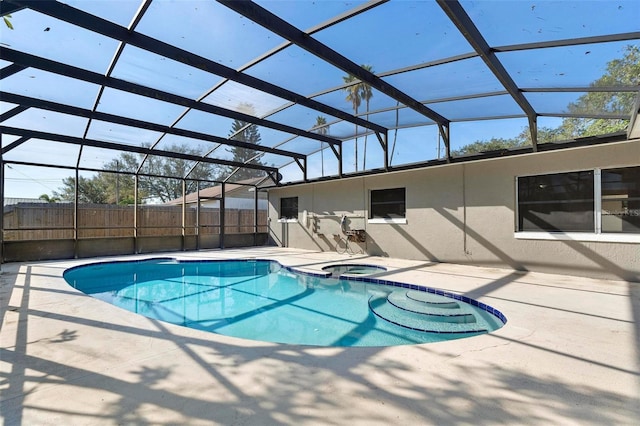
(464, 211)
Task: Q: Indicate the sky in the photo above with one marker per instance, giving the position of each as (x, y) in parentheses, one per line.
(392, 36)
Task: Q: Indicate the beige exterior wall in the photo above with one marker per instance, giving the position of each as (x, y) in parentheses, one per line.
(459, 213)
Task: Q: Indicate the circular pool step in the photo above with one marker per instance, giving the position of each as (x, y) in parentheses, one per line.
(432, 299)
(434, 304)
(434, 322)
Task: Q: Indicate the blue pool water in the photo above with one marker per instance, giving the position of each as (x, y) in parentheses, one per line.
(260, 300)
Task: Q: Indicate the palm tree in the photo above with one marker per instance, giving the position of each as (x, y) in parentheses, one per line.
(49, 198)
(356, 92)
(366, 93)
(321, 129)
(353, 96)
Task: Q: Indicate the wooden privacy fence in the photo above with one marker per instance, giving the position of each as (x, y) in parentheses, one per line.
(46, 221)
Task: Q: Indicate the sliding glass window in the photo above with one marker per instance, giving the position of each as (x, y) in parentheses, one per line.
(561, 202)
(590, 201)
(621, 200)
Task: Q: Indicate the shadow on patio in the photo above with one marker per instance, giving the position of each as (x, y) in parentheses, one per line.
(65, 362)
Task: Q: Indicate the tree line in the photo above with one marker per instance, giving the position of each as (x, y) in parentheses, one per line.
(623, 71)
(116, 184)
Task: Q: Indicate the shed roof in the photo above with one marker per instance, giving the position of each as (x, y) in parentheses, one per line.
(239, 190)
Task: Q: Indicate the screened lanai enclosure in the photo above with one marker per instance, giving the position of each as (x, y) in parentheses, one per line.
(144, 126)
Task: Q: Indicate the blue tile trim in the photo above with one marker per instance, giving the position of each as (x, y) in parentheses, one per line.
(110, 262)
(454, 296)
(360, 265)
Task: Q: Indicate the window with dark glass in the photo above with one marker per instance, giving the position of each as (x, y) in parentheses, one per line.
(621, 200)
(561, 202)
(388, 204)
(289, 208)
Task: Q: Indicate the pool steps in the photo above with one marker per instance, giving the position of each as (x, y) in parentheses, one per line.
(418, 301)
(426, 312)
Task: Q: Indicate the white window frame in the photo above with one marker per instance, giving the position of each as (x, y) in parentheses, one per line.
(383, 220)
(287, 219)
(397, 220)
(596, 236)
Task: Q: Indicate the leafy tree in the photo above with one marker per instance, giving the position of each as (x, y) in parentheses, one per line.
(108, 187)
(121, 187)
(90, 190)
(246, 132)
(545, 134)
(7, 21)
(492, 144)
(167, 189)
(624, 71)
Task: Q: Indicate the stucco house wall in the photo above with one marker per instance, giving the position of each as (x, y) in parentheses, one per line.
(459, 213)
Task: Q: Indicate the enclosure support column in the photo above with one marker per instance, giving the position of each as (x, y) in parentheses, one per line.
(1, 216)
(533, 128)
(305, 163)
(255, 215)
(184, 212)
(198, 216)
(135, 214)
(338, 153)
(75, 214)
(303, 166)
(446, 138)
(222, 215)
(383, 138)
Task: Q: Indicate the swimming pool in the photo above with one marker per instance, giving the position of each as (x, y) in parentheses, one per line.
(261, 300)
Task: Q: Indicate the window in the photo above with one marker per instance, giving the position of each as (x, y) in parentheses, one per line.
(289, 208)
(388, 204)
(596, 202)
(621, 200)
(557, 202)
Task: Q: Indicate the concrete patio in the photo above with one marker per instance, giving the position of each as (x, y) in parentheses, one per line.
(569, 354)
